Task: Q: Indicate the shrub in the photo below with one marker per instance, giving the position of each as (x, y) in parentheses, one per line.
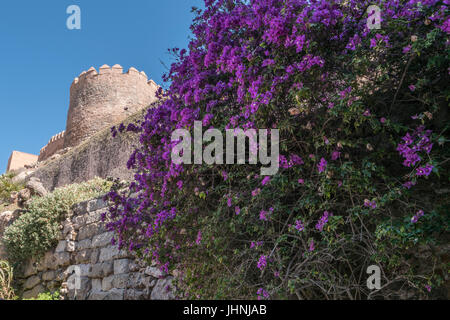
(47, 296)
(37, 230)
(6, 278)
(7, 187)
(363, 179)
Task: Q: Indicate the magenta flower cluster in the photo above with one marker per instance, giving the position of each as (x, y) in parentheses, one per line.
(323, 220)
(413, 144)
(242, 55)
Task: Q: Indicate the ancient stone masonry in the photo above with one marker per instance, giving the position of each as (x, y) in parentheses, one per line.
(98, 100)
(18, 160)
(55, 144)
(87, 266)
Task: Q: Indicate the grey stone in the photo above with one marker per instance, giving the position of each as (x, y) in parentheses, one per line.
(83, 256)
(121, 266)
(33, 293)
(107, 283)
(36, 187)
(31, 282)
(101, 270)
(79, 221)
(80, 208)
(97, 204)
(98, 295)
(50, 261)
(53, 285)
(108, 253)
(61, 247)
(93, 217)
(102, 239)
(94, 256)
(132, 294)
(30, 269)
(120, 281)
(62, 259)
(68, 227)
(21, 177)
(84, 244)
(88, 231)
(49, 275)
(138, 281)
(163, 290)
(96, 285)
(115, 294)
(154, 272)
(24, 195)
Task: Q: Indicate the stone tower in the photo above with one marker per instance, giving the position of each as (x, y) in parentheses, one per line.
(99, 100)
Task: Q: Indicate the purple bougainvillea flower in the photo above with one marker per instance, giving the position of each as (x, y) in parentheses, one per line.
(311, 245)
(424, 171)
(199, 237)
(225, 175)
(262, 262)
(265, 181)
(237, 210)
(256, 192)
(323, 220)
(322, 165)
(299, 225)
(370, 204)
(417, 216)
(335, 155)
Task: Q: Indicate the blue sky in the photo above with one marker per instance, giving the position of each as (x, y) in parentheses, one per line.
(40, 57)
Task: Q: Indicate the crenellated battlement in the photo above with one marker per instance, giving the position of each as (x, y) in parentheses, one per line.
(55, 144)
(115, 70)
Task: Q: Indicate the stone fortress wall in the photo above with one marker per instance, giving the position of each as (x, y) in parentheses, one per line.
(55, 144)
(97, 100)
(85, 256)
(103, 98)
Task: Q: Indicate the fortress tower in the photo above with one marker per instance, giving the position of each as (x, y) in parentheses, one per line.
(101, 99)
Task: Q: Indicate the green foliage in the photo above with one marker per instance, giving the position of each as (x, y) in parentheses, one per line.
(36, 230)
(47, 296)
(7, 187)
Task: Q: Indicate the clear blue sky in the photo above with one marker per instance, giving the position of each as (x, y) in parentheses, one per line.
(39, 56)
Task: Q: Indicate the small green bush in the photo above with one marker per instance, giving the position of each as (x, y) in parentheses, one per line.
(36, 230)
(7, 186)
(47, 296)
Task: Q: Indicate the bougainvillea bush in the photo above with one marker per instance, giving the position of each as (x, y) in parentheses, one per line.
(363, 178)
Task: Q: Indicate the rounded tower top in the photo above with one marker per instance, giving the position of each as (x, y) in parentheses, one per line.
(101, 99)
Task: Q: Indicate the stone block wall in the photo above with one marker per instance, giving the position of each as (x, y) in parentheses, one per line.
(85, 256)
